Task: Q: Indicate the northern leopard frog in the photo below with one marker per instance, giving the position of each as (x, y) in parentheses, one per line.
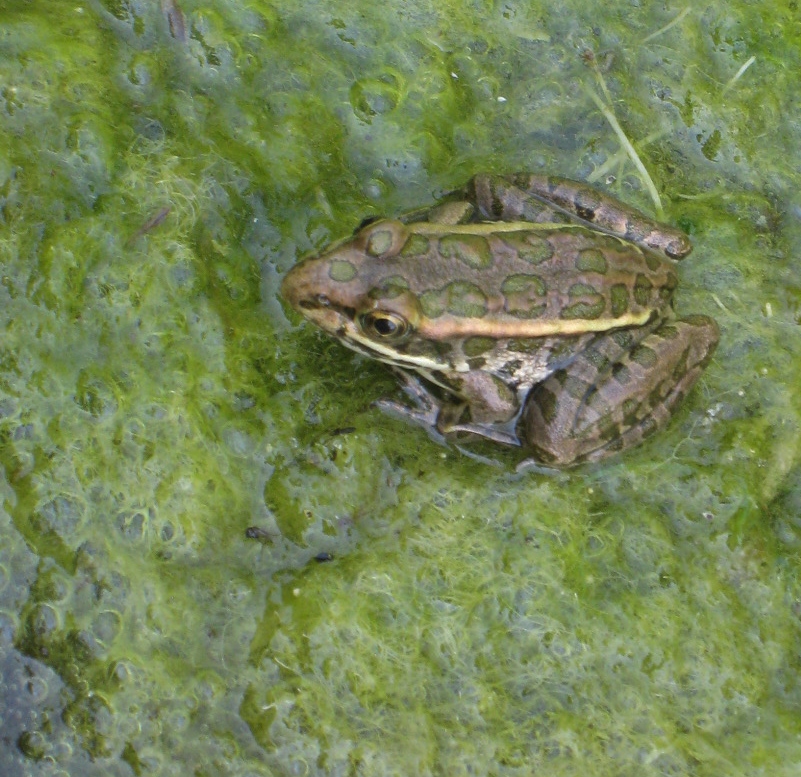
(524, 309)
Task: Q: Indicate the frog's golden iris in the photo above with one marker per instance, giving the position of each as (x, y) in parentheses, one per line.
(523, 309)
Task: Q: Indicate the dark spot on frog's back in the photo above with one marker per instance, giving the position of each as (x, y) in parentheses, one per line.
(642, 290)
(532, 248)
(623, 338)
(525, 295)
(652, 261)
(524, 282)
(341, 271)
(591, 260)
(619, 295)
(667, 332)
(389, 288)
(472, 250)
(596, 358)
(546, 402)
(416, 245)
(621, 373)
(576, 388)
(589, 303)
(459, 298)
(527, 345)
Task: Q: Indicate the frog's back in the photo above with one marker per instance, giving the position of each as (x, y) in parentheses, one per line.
(541, 280)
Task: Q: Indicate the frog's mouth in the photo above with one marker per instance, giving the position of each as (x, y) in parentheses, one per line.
(350, 336)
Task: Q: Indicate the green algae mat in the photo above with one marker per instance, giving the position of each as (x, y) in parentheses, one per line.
(218, 558)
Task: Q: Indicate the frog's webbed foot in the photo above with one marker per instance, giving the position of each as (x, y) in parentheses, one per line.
(505, 434)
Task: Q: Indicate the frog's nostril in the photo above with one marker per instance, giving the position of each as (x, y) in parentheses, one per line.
(315, 302)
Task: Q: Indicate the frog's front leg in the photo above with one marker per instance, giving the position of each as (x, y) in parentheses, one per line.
(426, 407)
(595, 407)
(494, 407)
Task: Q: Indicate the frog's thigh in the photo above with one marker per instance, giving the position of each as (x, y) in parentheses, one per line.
(591, 409)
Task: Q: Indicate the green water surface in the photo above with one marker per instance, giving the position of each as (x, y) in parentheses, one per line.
(400, 608)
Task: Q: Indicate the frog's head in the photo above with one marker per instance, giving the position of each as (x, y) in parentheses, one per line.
(360, 291)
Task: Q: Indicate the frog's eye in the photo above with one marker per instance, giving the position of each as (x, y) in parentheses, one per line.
(381, 325)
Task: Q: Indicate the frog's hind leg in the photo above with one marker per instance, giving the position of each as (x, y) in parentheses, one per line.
(603, 212)
(615, 394)
(499, 198)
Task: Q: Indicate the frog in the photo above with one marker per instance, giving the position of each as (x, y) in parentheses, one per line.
(524, 309)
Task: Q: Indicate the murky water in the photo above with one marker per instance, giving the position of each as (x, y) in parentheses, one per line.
(217, 558)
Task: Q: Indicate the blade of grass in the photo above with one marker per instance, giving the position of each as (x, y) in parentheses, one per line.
(737, 75)
(630, 150)
(670, 24)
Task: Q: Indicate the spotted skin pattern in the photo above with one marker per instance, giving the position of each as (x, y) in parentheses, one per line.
(523, 309)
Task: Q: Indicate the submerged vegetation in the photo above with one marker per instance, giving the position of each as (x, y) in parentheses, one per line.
(179, 456)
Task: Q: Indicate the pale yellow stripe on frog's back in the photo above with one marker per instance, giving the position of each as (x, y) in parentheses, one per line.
(447, 327)
(487, 228)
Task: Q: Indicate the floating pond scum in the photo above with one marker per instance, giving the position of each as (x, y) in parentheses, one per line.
(217, 557)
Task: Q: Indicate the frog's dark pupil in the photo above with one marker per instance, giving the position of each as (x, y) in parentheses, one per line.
(385, 326)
